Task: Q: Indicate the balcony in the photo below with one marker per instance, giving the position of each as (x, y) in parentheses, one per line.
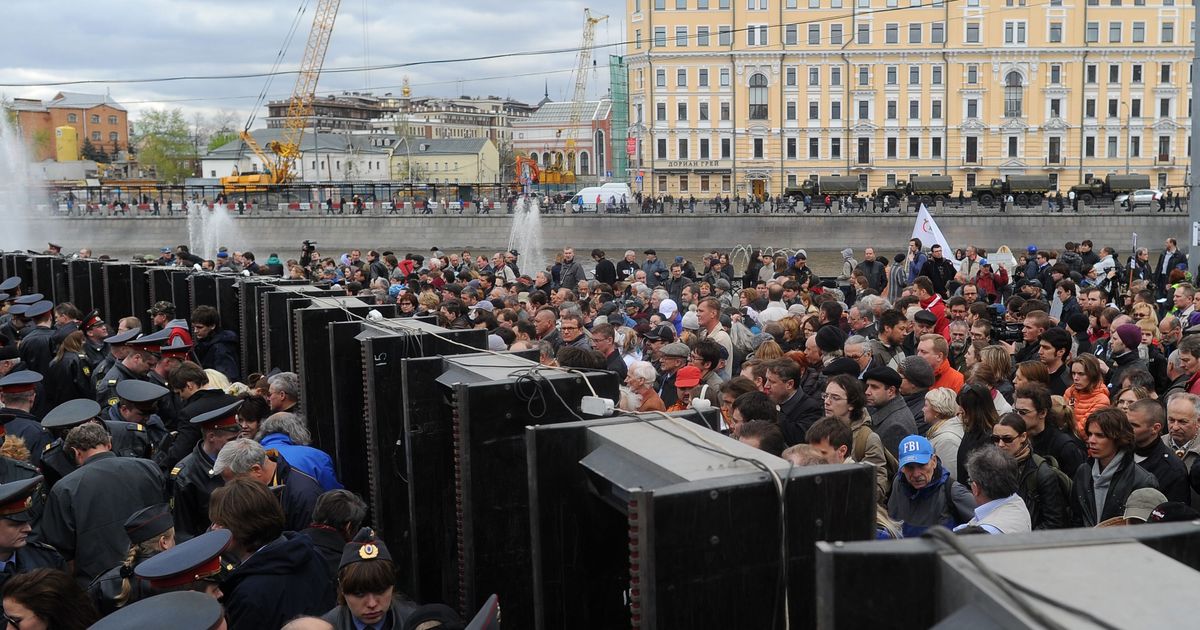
(972, 164)
(1164, 160)
(1056, 162)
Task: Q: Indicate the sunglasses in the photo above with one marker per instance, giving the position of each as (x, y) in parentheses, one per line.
(1007, 439)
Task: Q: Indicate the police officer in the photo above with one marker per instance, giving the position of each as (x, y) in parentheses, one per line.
(357, 588)
(190, 382)
(37, 341)
(86, 510)
(133, 424)
(18, 390)
(183, 610)
(117, 351)
(94, 333)
(69, 376)
(194, 565)
(172, 350)
(55, 462)
(17, 553)
(192, 480)
(150, 533)
(135, 366)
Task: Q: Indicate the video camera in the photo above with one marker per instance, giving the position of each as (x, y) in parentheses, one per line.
(1002, 329)
(306, 250)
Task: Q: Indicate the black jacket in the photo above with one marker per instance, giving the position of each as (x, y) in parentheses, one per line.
(1068, 452)
(329, 544)
(106, 387)
(181, 441)
(1176, 258)
(939, 272)
(605, 272)
(1047, 504)
(33, 555)
(797, 414)
(219, 351)
(189, 488)
(398, 613)
(1129, 477)
(37, 348)
(28, 427)
(280, 581)
(893, 422)
(69, 378)
(1168, 469)
(1121, 364)
(297, 493)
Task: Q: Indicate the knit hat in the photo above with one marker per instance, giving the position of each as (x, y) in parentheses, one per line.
(691, 321)
(831, 338)
(917, 371)
(1077, 322)
(1130, 335)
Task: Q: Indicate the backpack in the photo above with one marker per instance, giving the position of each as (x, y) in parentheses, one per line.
(861, 435)
(1064, 482)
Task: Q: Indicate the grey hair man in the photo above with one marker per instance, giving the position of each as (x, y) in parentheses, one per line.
(283, 392)
(999, 509)
(286, 434)
(243, 458)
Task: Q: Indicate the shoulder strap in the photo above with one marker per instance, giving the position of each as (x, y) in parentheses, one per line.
(860, 443)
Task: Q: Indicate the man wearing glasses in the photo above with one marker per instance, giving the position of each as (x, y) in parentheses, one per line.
(1032, 403)
(570, 326)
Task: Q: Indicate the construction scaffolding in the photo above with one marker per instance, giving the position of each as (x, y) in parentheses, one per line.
(618, 80)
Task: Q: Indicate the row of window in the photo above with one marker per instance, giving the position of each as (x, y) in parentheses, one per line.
(95, 119)
(112, 136)
(763, 5)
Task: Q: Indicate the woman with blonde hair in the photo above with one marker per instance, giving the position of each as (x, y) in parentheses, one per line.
(151, 531)
(792, 337)
(999, 366)
(945, 428)
(768, 351)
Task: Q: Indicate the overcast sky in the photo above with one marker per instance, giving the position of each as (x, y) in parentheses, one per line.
(66, 40)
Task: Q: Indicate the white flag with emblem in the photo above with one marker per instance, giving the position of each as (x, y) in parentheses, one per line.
(927, 230)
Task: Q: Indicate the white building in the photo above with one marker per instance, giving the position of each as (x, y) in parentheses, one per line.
(324, 157)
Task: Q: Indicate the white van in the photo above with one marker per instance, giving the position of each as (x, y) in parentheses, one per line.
(585, 200)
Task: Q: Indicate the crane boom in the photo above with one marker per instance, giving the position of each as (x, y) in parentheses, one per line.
(563, 171)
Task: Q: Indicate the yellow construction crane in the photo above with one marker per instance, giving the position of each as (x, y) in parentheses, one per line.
(562, 169)
(286, 150)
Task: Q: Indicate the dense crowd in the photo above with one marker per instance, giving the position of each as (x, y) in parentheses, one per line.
(1060, 390)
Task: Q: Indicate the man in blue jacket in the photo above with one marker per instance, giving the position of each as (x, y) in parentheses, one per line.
(923, 494)
(285, 433)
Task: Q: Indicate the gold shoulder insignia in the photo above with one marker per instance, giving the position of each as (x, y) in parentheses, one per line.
(138, 427)
(112, 382)
(49, 446)
(114, 400)
(87, 371)
(175, 471)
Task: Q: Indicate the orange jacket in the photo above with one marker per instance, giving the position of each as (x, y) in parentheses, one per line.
(1084, 403)
(946, 376)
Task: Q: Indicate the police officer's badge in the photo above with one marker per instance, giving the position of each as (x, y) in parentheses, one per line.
(368, 552)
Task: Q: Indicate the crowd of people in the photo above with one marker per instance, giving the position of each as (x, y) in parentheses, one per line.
(1063, 392)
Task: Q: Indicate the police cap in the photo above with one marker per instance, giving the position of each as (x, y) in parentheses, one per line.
(71, 413)
(365, 547)
(32, 298)
(225, 416)
(16, 498)
(39, 308)
(121, 338)
(148, 522)
(187, 562)
(176, 348)
(140, 393)
(91, 320)
(10, 283)
(17, 310)
(20, 381)
(181, 610)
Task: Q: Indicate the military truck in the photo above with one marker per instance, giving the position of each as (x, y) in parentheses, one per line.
(1026, 190)
(832, 185)
(926, 189)
(1107, 189)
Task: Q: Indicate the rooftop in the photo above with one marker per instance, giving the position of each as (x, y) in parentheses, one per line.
(445, 146)
(563, 112)
(79, 100)
(309, 141)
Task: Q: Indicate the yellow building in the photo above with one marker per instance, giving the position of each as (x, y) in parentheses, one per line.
(746, 96)
(446, 160)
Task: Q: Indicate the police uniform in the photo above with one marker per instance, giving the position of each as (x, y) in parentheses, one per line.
(69, 377)
(365, 547)
(106, 389)
(182, 610)
(37, 344)
(181, 441)
(61, 333)
(192, 480)
(21, 423)
(193, 564)
(56, 463)
(94, 353)
(133, 439)
(143, 526)
(100, 370)
(16, 505)
(168, 344)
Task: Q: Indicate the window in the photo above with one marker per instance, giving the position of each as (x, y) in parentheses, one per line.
(112, 120)
(1090, 73)
(1089, 146)
(864, 75)
(914, 75)
(835, 75)
(680, 5)
(891, 34)
(1139, 32)
(724, 111)
(726, 149)
(1164, 73)
(937, 32)
(864, 150)
(1135, 108)
(681, 77)
(723, 4)
(914, 33)
(1168, 32)
(1055, 108)
(891, 75)
(660, 111)
(681, 112)
(1012, 146)
(1164, 148)
(756, 35)
(660, 77)
(789, 35)
(914, 109)
(814, 110)
(758, 97)
(891, 110)
(814, 148)
(703, 111)
(972, 74)
(935, 147)
(660, 5)
(96, 136)
(864, 110)
(791, 148)
(1135, 146)
(724, 77)
(835, 148)
(702, 5)
(683, 183)
(814, 76)
(1089, 108)
(704, 152)
(72, 118)
(724, 36)
(1056, 32)
(1055, 150)
(1092, 32)
(972, 152)
(1113, 108)
(95, 119)
(864, 33)
(1111, 149)
(683, 149)
(891, 148)
(1114, 32)
(814, 34)
(835, 110)
(1014, 32)
(791, 110)
(112, 136)
(1055, 74)
(914, 147)
(935, 110)
(637, 39)
(1114, 73)
(1164, 108)
(758, 148)
(835, 34)
(702, 36)
(972, 108)
(660, 36)
(973, 32)
(681, 36)
(937, 76)
(702, 77)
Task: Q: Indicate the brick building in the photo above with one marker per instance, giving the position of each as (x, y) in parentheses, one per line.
(95, 117)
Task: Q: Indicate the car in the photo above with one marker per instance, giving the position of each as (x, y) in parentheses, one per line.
(1143, 197)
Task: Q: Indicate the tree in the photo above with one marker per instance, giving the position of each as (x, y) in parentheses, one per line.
(220, 139)
(166, 144)
(92, 152)
(508, 162)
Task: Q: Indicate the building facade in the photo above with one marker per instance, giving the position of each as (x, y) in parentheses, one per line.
(348, 111)
(751, 96)
(324, 157)
(96, 119)
(544, 136)
(445, 161)
(438, 118)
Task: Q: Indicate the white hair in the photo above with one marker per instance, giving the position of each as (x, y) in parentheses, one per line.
(239, 456)
(644, 371)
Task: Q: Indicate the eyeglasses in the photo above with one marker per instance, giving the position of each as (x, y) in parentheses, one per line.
(1022, 412)
(1007, 439)
(568, 328)
(833, 397)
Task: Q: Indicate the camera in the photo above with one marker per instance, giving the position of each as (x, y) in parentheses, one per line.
(1002, 329)
(306, 250)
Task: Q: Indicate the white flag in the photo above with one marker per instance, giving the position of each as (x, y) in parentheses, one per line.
(927, 230)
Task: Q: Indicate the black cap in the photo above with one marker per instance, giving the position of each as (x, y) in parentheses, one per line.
(10, 283)
(181, 610)
(1169, 512)
(661, 332)
(885, 375)
(187, 562)
(441, 613)
(225, 416)
(71, 413)
(650, 252)
(20, 381)
(38, 309)
(925, 317)
(841, 365)
(123, 337)
(16, 499)
(29, 299)
(140, 392)
(148, 522)
(364, 548)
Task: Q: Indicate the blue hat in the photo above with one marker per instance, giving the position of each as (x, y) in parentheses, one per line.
(120, 338)
(395, 289)
(32, 298)
(180, 610)
(38, 309)
(221, 417)
(10, 283)
(18, 310)
(71, 413)
(914, 449)
(20, 381)
(1032, 249)
(140, 392)
(187, 562)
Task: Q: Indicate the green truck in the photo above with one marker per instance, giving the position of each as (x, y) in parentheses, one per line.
(926, 189)
(832, 185)
(1107, 189)
(1026, 190)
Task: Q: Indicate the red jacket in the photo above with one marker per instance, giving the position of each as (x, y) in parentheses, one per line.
(936, 306)
(992, 282)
